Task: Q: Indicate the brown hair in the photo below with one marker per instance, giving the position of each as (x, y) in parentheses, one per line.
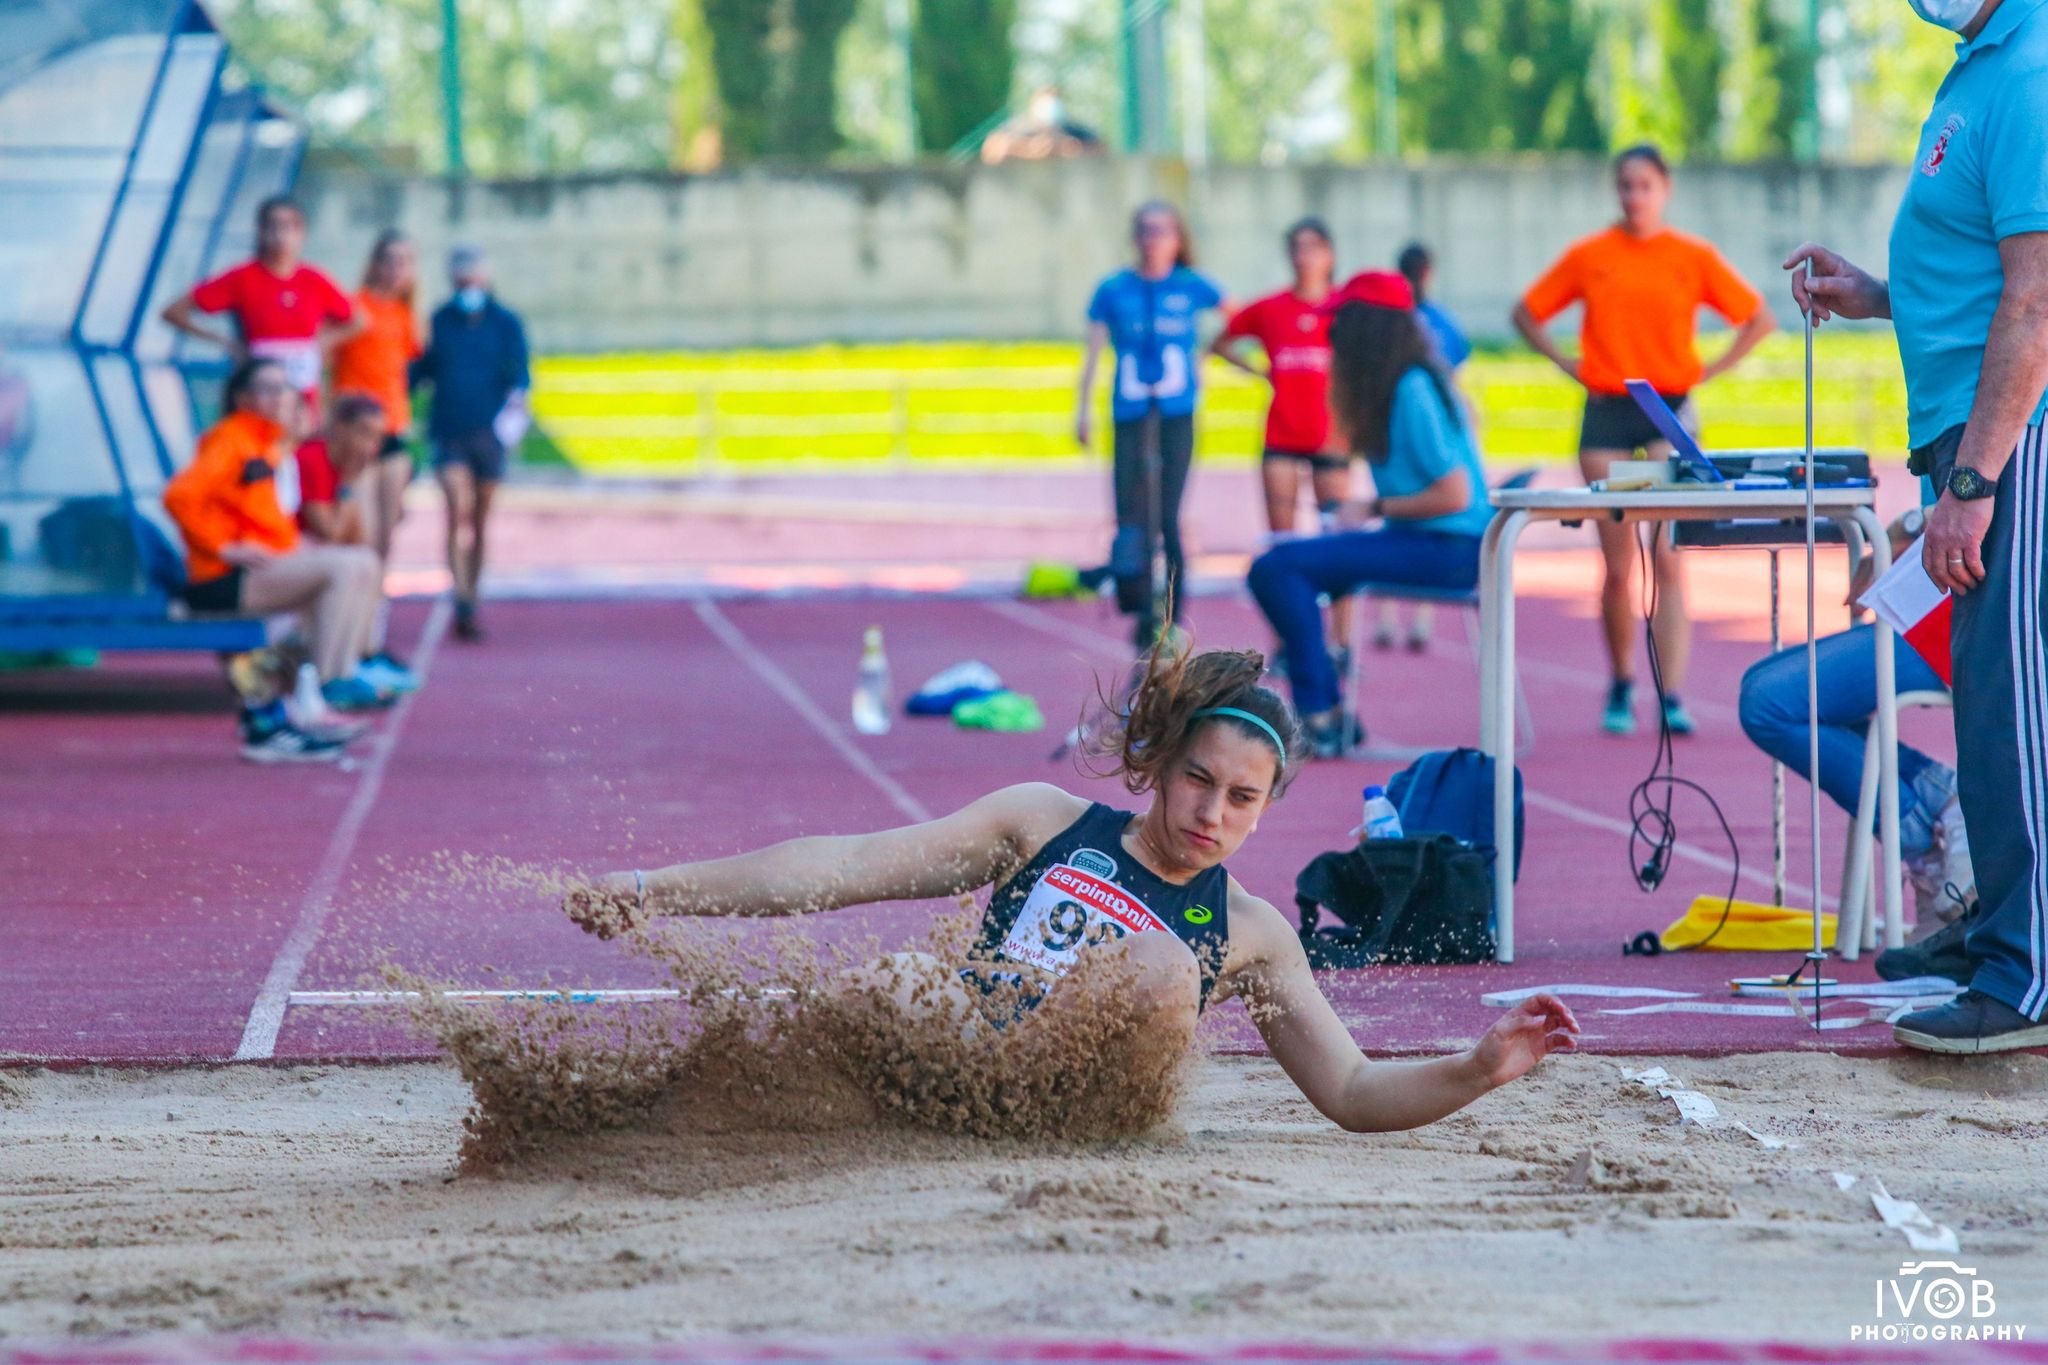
(1371, 350)
(1180, 226)
(387, 239)
(1142, 739)
(1648, 152)
(355, 407)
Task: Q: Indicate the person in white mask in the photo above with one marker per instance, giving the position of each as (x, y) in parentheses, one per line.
(476, 361)
(1968, 297)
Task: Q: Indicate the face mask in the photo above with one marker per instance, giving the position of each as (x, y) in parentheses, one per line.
(1954, 15)
(471, 298)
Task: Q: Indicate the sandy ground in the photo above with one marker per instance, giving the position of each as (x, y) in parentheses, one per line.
(327, 1203)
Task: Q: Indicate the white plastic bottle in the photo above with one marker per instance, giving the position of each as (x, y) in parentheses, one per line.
(871, 692)
(1381, 821)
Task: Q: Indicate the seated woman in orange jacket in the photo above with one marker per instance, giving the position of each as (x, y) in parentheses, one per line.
(244, 553)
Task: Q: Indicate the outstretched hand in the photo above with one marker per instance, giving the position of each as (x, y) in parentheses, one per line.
(1524, 1036)
(605, 907)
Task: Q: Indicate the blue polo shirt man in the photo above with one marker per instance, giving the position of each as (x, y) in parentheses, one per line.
(1968, 296)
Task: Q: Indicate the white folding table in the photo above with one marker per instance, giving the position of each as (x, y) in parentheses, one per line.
(1853, 509)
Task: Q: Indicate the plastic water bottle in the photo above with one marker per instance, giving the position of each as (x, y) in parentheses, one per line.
(1381, 821)
(871, 692)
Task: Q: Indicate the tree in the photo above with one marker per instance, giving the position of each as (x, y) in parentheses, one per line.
(1694, 65)
(962, 67)
(744, 69)
(1266, 58)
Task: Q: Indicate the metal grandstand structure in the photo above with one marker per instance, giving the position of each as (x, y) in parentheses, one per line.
(131, 161)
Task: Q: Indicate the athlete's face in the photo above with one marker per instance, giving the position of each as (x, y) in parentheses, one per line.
(281, 235)
(1313, 259)
(1212, 800)
(1158, 239)
(1643, 191)
(354, 445)
(271, 396)
(398, 268)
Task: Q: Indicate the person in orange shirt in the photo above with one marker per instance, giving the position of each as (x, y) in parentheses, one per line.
(1641, 285)
(243, 549)
(375, 363)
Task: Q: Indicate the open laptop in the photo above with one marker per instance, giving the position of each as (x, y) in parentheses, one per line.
(1693, 464)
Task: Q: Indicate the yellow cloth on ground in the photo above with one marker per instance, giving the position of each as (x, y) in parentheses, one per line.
(1751, 926)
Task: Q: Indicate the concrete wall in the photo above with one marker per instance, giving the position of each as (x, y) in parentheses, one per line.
(768, 257)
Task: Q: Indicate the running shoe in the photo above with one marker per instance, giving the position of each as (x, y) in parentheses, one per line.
(466, 627)
(386, 674)
(1972, 1022)
(1677, 719)
(1383, 635)
(1418, 639)
(1333, 735)
(267, 737)
(1620, 716)
(354, 693)
(1941, 953)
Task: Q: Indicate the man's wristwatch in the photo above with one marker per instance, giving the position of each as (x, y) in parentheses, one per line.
(1969, 486)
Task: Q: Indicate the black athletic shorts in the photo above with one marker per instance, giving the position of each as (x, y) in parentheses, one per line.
(479, 449)
(1614, 422)
(394, 448)
(220, 596)
(1315, 460)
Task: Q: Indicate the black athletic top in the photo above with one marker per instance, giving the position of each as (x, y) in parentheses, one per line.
(1083, 888)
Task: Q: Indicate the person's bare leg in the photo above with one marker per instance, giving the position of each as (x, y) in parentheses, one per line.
(335, 585)
(1281, 480)
(480, 514)
(458, 488)
(392, 476)
(1671, 625)
(1618, 550)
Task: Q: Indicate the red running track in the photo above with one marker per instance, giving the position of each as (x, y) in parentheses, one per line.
(164, 895)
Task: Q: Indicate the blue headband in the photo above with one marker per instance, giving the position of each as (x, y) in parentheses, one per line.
(1239, 713)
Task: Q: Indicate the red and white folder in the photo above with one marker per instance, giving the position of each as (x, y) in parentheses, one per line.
(1907, 600)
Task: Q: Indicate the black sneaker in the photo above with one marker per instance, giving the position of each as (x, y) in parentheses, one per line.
(1972, 1022)
(1334, 736)
(272, 743)
(1941, 953)
(466, 627)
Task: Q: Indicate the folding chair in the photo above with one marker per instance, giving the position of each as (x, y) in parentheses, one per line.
(1856, 928)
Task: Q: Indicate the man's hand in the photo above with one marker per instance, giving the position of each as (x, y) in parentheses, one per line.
(1953, 551)
(1524, 1036)
(606, 907)
(1834, 286)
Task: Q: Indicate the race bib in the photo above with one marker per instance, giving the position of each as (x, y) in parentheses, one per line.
(1066, 912)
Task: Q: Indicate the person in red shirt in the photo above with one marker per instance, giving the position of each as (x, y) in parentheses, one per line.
(1294, 332)
(338, 473)
(283, 309)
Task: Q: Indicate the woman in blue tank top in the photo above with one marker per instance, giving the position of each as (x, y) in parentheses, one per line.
(1143, 898)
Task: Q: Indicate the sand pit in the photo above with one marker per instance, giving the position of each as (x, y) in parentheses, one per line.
(328, 1203)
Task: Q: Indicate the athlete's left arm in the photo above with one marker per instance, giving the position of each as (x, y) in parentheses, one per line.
(1268, 970)
(2014, 372)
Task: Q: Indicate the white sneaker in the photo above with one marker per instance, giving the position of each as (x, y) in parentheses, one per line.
(307, 706)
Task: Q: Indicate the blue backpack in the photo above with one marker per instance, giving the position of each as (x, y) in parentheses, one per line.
(1450, 791)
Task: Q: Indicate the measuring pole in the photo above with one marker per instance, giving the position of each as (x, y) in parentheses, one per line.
(1777, 768)
(1818, 955)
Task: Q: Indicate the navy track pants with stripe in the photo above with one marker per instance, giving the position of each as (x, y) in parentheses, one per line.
(2000, 640)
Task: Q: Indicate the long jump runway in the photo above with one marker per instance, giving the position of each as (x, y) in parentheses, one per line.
(170, 899)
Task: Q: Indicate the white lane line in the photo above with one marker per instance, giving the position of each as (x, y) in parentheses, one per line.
(785, 687)
(1038, 619)
(266, 1016)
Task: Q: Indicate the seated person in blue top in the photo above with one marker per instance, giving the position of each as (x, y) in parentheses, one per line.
(1393, 402)
(1147, 314)
(1111, 926)
(1932, 840)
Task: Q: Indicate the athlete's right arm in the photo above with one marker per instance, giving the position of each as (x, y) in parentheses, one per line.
(1230, 350)
(942, 857)
(1084, 403)
(1538, 336)
(181, 313)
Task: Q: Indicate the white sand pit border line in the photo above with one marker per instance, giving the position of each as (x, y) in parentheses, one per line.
(766, 669)
(1038, 619)
(266, 1015)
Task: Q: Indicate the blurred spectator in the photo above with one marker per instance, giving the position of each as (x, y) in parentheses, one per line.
(1418, 266)
(244, 554)
(337, 476)
(1042, 132)
(284, 310)
(476, 363)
